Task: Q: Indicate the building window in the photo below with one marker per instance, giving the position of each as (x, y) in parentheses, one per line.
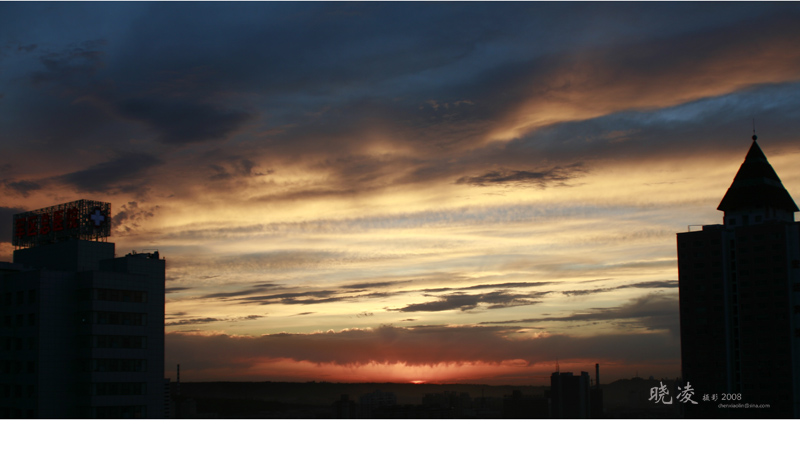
(119, 388)
(119, 412)
(121, 318)
(107, 294)
(119, 341)
(118, 365)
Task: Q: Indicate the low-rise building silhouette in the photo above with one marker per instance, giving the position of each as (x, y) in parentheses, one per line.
(520, 406)
(345, 408)
(371, 402)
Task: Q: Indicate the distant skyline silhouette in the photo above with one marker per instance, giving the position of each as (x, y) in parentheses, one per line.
(390, 192)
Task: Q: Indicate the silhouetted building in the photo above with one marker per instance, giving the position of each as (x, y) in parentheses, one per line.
(458, 405)
(569, 396)
(596, 395)
(378, 399)
(82, 334)
(345, 408)
(740, 300)
(519, 406)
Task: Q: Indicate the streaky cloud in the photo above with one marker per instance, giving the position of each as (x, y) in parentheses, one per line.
(552, 177)
(123, 173)
(465, 302)
(656, 311)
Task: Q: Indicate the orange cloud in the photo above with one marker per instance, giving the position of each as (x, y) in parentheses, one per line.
(430, 353)
(654, 74)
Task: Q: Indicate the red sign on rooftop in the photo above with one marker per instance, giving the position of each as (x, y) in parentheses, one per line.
(78, 220)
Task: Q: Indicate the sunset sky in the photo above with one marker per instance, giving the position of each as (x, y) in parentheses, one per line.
(437, 192)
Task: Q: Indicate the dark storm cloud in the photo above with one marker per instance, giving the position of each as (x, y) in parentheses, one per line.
(553, 177)
(294, 60)
(657, 311)
(180, 121)
(26, 48)
(465, 302)
(503, 89)
(635, 88)
(179, 111)
(718, 125)
(63, 101)
(315, 47)
(125, 173)
(72, 68)
(22, 187)
(325, 78)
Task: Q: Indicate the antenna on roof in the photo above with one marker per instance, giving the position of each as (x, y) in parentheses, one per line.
(558, 370)
(754, 129)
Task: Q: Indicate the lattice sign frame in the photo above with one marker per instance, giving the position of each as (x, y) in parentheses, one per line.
(82, 220)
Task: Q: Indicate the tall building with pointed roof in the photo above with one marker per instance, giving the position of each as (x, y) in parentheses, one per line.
(740, 301)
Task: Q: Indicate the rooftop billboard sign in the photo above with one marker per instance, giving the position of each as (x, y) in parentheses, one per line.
(78, 220)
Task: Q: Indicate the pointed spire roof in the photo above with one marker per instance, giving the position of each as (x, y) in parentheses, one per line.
(756, 186)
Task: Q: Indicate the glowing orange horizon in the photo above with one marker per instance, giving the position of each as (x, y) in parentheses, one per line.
(287, 370)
